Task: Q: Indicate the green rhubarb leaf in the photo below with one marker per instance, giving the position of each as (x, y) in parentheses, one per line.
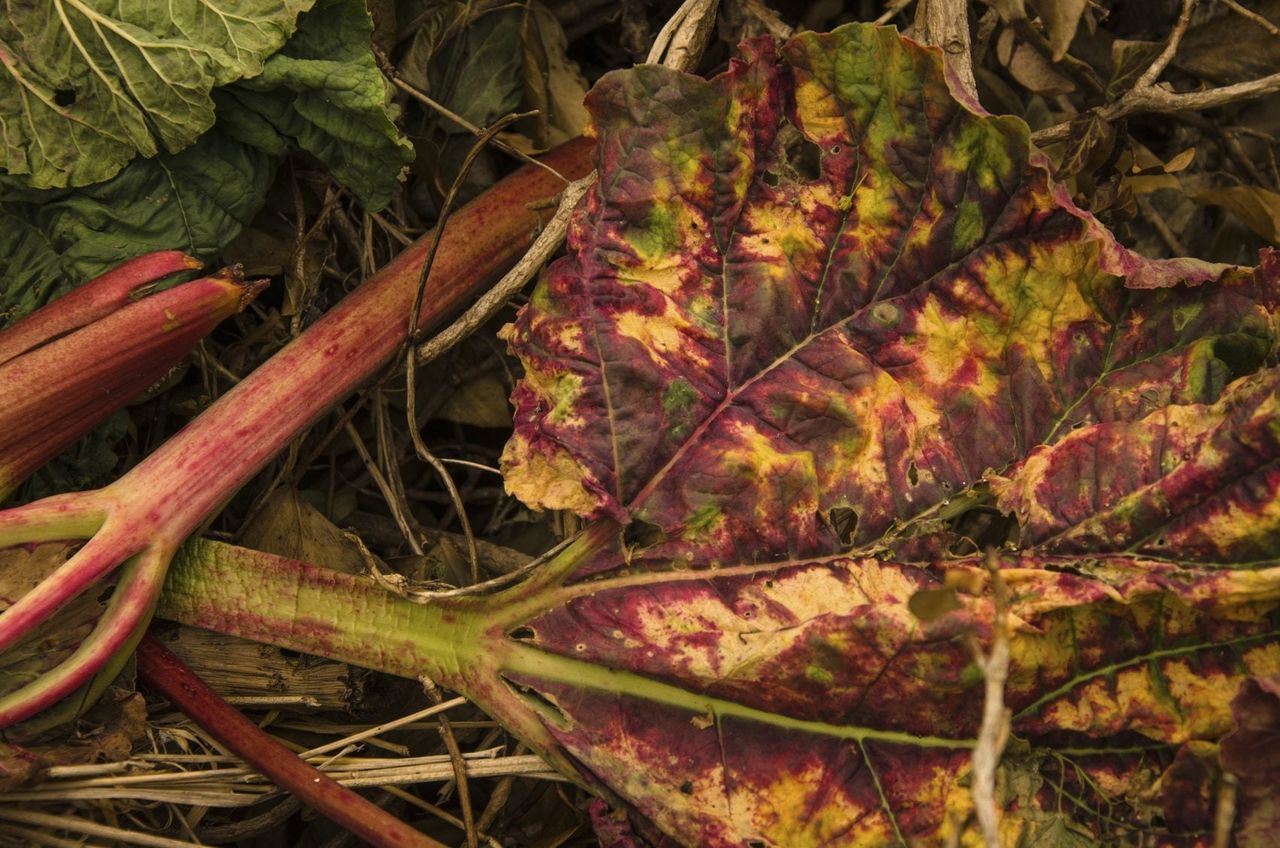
(787, 382)
(323, 93)
(32, 270)
(475, 73)
(196, 201)
(87, 85)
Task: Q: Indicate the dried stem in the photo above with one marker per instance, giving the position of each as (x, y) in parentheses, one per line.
(487, 306)
(994, 731)
(1250, 15)
(425, 454)
(1147, 96)
(945, 24)
(680, 42)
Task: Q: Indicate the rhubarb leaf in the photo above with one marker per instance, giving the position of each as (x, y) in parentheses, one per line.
(323, 93)
(753, 371)
(196, 201)
(797, 385)
(89, 84)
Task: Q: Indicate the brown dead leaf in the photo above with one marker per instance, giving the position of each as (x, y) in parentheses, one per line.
(1256, 207)
(1090, 138)
(120, 722)
(1180, 162)
(553, 85)
(479, 402)
(1035, 72)
(1060, 18)
(1144, 172)
(288, 526)
(1230, 48)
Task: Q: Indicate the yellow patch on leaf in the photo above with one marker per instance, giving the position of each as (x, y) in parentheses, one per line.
(554, 481)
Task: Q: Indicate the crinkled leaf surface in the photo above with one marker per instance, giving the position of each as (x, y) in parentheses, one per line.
(779, 382)
(86, 85)
(323, 93)
(791, 383)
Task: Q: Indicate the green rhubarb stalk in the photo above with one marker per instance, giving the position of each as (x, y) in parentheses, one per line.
(470, 644)
(140, 520)
(83, 357)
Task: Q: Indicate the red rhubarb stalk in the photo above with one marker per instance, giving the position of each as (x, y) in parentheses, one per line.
(56, 390)
(139, 520)
(95, 299)
(168, 675)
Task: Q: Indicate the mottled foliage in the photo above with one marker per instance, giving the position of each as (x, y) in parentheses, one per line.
(824, 335)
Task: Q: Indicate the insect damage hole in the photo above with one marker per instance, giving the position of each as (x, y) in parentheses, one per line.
(65, 97)
(523, 634)
(843, 521)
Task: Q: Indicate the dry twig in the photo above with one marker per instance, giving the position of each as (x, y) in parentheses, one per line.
(1148, 96)
(994, 731)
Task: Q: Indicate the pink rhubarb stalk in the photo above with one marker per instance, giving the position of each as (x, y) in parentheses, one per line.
(78, 360)
(138, 521)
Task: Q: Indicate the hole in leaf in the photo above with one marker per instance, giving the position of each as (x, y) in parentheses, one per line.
(768, 584)
(770, 179)
(835, 149)
(642, 534)
(523, 634)
(844, 521)
(65, 97)
(913, 473)
(756, 843)
(807, 160)
(538, 702)
(687, 787)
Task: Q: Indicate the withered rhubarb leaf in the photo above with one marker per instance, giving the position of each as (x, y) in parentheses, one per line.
(754, 369)
(821, 331)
